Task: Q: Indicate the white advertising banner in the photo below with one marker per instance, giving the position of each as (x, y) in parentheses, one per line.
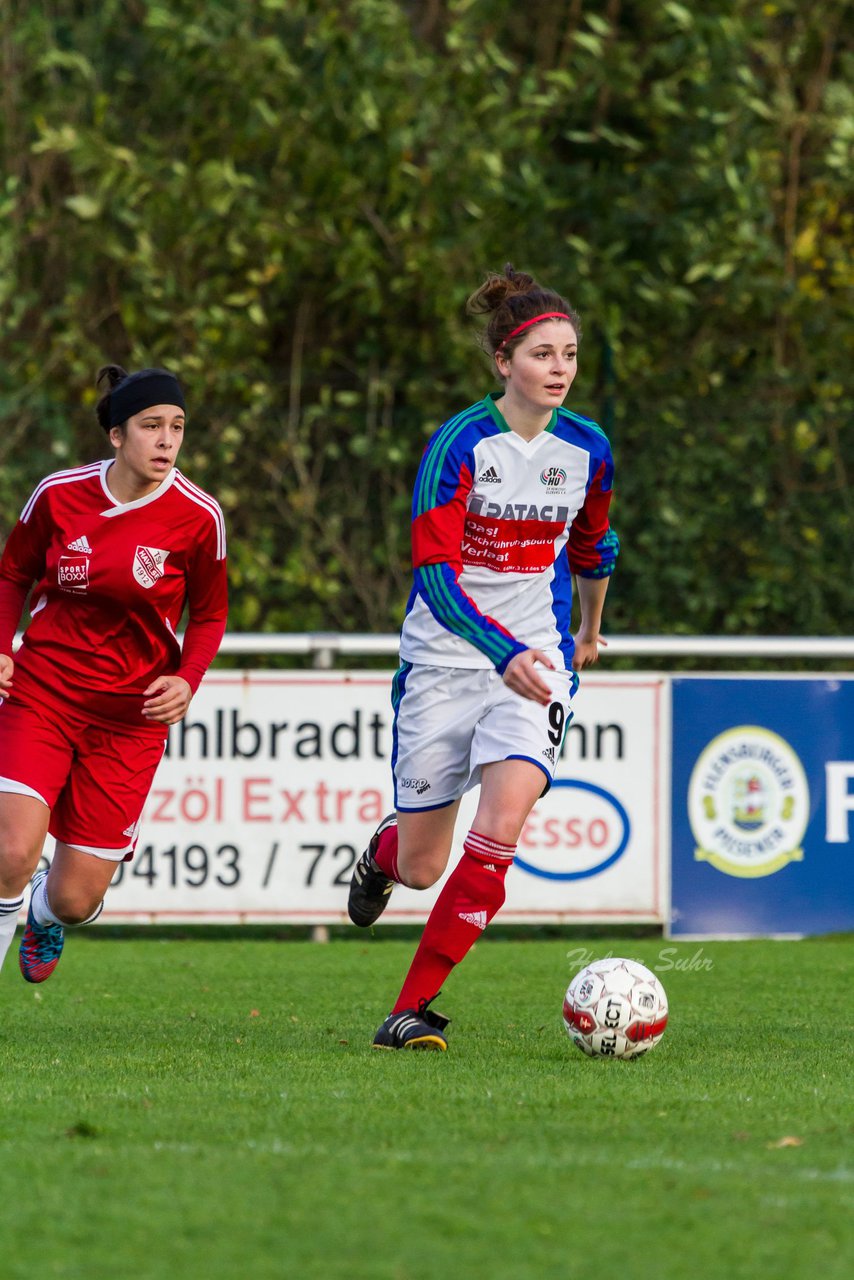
(273, 784)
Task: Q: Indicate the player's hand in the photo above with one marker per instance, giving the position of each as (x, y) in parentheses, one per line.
(167, 699)
(521, 676)
(587, 650)
(7, 670)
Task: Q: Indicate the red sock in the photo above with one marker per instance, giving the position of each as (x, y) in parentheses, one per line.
(385, 854)
(471, 897)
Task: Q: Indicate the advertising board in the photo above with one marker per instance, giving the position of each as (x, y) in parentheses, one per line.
(763, 806)
(273, 784)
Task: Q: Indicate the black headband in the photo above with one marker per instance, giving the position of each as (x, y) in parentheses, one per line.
(140, 391)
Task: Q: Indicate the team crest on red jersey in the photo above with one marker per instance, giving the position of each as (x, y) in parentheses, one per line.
(148, 565)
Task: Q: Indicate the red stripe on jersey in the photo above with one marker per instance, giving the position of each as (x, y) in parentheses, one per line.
(436, 533)
(589, 526)
(510, 546)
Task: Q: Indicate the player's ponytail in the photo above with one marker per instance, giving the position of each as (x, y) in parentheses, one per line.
(112, 375)
(513, 299)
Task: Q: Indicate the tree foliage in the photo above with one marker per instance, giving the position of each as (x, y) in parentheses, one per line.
(288, 201)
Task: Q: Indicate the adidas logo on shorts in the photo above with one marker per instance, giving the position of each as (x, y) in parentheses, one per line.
(549, 753)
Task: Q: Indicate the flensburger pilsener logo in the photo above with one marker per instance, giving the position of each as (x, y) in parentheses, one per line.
(748, 803)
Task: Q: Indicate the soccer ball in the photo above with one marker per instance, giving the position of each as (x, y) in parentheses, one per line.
(615, 1009)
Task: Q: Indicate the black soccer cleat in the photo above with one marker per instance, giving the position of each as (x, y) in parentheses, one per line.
(419, 1028)
(369, 887)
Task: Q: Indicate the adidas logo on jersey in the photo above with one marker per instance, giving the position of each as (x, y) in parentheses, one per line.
(81, 544)
(477, 918)
(489, 476)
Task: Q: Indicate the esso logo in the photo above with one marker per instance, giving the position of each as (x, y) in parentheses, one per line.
(576, 831)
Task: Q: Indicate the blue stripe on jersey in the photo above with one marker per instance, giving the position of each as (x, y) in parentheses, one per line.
(579, 421)
(597, 457)
(451, 607)
(608, 548)
(433, 464)
(561, 588)
(588, 435)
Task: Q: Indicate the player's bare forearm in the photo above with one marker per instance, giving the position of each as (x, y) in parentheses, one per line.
(591, 598)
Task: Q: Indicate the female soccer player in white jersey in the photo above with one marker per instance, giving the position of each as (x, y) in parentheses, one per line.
(116, 549)
(510, 504)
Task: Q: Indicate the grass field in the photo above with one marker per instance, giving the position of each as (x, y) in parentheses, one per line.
(210, 1108)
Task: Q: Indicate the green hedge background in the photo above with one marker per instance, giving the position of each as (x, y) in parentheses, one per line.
(287, 202)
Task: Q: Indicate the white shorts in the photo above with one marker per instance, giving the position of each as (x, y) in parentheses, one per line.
(449, 722)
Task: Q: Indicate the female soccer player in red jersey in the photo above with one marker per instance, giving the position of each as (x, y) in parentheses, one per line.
(511, 503)
(116, 550)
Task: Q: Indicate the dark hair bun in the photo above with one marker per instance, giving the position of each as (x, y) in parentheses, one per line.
(112, 375)
(511, 297)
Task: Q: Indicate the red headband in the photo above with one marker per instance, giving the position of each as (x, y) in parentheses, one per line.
(546, 315)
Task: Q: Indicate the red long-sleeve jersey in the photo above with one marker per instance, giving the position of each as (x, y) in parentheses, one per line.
(112, 580)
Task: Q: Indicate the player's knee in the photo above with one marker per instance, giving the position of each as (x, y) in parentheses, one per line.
(420, 876)
(420, 880)
(18, 861)
(70, 905)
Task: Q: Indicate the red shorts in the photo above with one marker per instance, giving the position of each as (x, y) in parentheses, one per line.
(94, 780)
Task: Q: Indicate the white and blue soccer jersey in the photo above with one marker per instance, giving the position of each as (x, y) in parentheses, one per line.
(499, 527)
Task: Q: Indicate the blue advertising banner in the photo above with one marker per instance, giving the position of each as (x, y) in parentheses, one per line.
(763, 806)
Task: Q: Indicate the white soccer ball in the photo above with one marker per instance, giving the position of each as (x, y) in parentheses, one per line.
(615, 1009)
